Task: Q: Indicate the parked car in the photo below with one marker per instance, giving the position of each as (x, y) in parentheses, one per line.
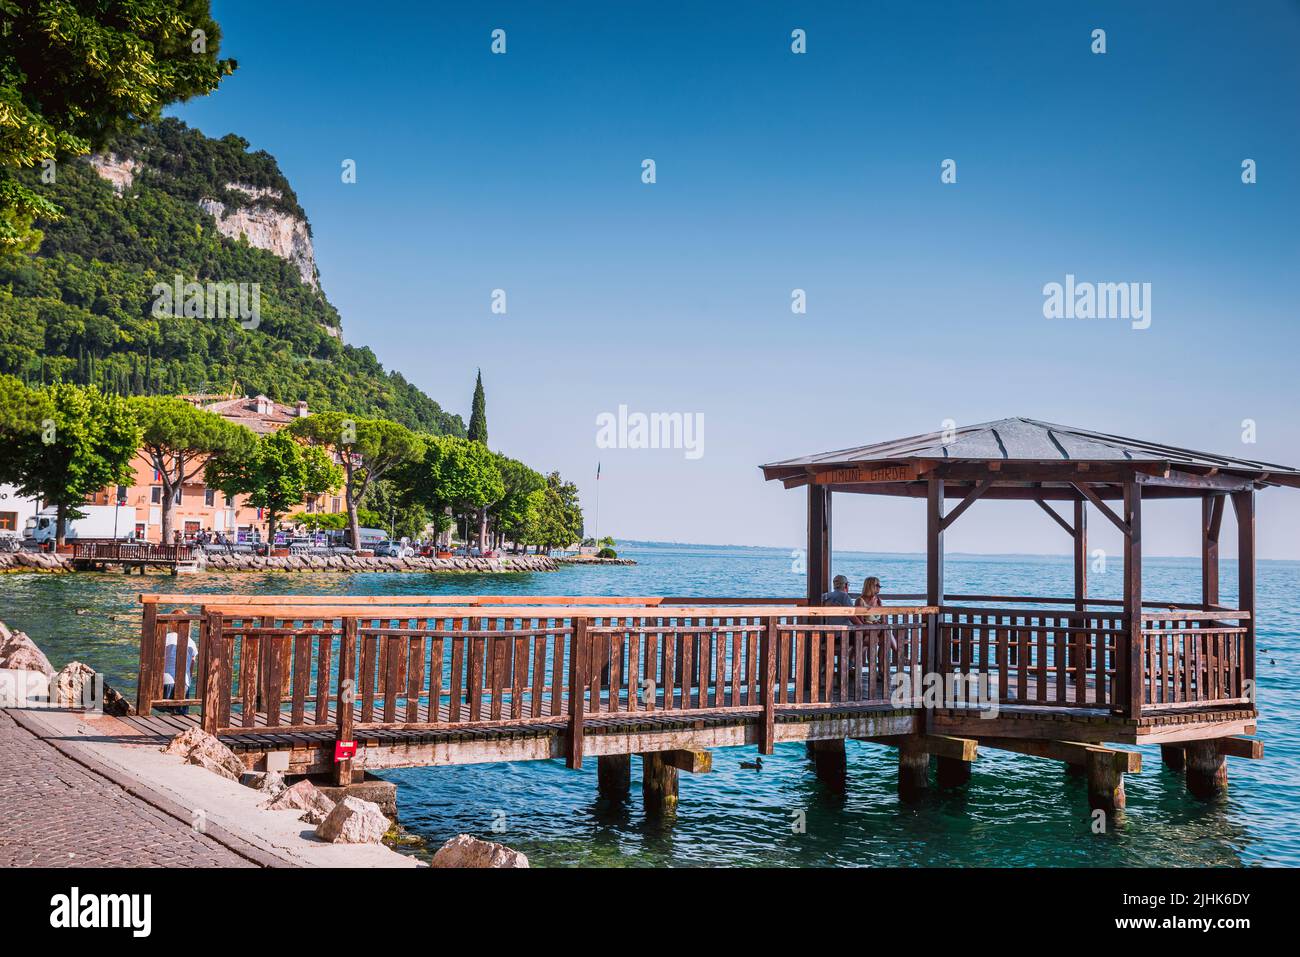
(391, 549)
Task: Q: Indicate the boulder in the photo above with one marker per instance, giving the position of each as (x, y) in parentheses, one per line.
(303, 796)
(272, 782)
(353, 821)
(466, 851)
(198, 747)
(19, 653)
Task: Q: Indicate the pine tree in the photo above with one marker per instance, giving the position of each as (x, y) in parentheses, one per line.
(478, 415)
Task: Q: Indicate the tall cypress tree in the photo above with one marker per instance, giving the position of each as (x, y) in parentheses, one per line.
(478, 415)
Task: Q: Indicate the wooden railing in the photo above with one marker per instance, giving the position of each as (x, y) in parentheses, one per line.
(132, 552)
(343, 665)
(1192, 659)
(1035, 657)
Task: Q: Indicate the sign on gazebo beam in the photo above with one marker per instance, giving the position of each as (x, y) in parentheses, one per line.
(884, 473)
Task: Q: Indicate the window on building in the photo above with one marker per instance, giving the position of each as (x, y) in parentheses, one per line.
(336, 504)
(155, 495)
(209, 497)
(177, 497)
(8, 521)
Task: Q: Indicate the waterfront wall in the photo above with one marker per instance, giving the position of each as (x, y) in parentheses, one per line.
(505, 563)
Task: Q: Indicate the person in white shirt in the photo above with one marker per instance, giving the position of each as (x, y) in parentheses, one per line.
(169, 667)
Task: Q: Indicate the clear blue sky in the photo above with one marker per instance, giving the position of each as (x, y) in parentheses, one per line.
(778, 171)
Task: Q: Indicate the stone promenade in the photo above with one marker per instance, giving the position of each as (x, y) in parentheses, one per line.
(59, 814)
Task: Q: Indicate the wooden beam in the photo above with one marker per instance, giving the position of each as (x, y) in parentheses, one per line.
(1052, 512)
(943, 745)
(1071, 752)
(1241, 747)
(696, 762)
(1092, 497)
(980, 488)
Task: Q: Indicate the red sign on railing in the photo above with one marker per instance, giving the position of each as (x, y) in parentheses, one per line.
(343, 750)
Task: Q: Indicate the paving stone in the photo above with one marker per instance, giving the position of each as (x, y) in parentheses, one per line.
(60, 814)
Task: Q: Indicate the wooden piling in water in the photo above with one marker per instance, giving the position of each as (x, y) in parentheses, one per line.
(658, 782)
(613, 775)
(913, 770)
(1207, 768)
(1173, 757)
(830, 762)
(1105, 781)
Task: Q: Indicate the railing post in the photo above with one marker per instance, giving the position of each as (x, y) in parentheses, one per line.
(769, 643)
(147, 679)
(210, 637)
(579, 661)
(346, 698)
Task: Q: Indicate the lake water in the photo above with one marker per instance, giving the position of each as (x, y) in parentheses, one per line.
(1016, 810)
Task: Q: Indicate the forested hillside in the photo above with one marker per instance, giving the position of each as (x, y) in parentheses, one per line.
(82, 308)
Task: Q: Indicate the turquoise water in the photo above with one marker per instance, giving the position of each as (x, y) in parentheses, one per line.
(1015, 811)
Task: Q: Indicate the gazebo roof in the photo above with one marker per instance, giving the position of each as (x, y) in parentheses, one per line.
(1026, 458)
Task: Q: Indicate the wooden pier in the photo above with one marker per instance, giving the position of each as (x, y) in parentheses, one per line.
(139, 556)
(344, 685)
(457, 680)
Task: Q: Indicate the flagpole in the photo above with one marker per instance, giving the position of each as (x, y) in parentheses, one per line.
(597, 535)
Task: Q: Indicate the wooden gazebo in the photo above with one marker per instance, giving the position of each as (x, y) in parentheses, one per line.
(1133, 660)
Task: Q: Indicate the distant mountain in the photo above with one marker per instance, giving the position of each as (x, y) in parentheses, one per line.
(172, 202)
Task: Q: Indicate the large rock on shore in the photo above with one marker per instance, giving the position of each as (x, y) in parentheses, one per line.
(303, 796)
(466, 851)
(19, 653)
(354, 821)
(79, 686)
(198, 747)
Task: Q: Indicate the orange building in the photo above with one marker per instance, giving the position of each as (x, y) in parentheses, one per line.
(199, 508)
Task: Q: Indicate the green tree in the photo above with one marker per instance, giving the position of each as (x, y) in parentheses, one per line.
(179, 439)
(454, 473)
(403, 518)
(21, 412)
(558, 521)
(368, 448)
(478, 414)
(523, 492)
(76, 73)
(86, 441)
(280, 473)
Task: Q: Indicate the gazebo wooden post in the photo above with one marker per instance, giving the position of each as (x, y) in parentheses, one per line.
(1129, 667)
(913, 763)
(1211, 518)
(1243, 505)
(1080, 553)
(934, 566)
(819, 542)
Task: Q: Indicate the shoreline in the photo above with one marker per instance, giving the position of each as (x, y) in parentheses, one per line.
(40, 562)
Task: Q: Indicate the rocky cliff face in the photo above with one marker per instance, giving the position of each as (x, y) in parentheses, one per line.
(118, 170)
(285, 235)
(266, 228)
